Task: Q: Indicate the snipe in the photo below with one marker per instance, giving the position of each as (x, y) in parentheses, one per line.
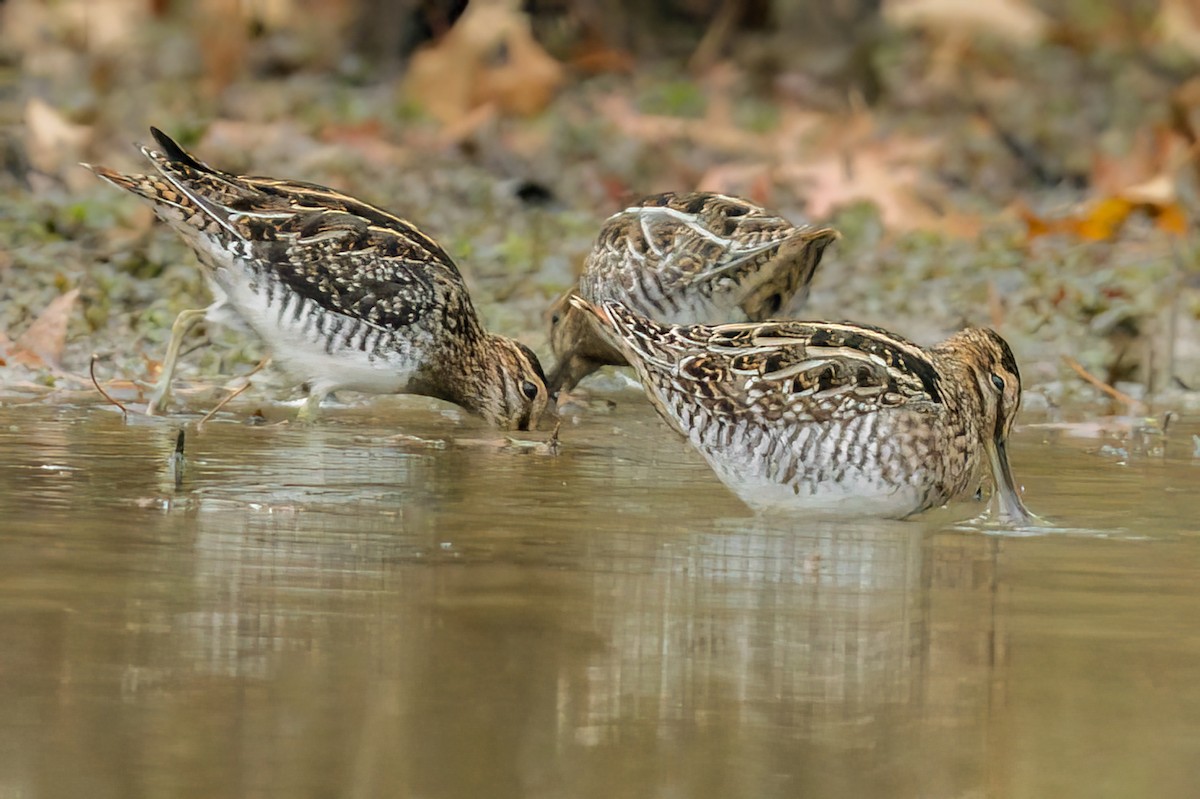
(840, 418)
(345, 295)
(684, 258)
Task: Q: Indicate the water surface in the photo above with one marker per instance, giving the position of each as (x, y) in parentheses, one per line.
(398, 602)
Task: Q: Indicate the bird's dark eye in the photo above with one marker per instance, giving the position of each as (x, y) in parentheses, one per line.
(555, 318)
(529, 389)
(998, 382)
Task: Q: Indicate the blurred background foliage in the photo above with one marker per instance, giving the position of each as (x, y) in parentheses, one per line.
(1029, 165)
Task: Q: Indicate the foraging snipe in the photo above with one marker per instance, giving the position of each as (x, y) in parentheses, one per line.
(836, 417)
(684, 259)
(345, 295)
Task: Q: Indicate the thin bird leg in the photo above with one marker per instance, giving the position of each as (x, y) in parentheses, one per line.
(162, 389)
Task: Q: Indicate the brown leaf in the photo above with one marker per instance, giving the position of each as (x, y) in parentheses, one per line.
(42, 342)
(885, 172)
(488, 56)
(1156, 152)
(594, 56)
(55, 145)
(1103, 220)
(1014, 20)
(723, 138)
(1171, 218)
(525, 80)
(1142, 179)
(1178, 22)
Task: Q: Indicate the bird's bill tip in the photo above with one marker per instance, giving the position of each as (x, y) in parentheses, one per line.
(539, 419)
(1008, 496)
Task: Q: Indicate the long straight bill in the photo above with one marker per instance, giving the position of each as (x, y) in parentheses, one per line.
(1012, 509)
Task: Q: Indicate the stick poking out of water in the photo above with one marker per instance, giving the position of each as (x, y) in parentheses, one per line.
(103, 393)
(220, 405)
(177, 459)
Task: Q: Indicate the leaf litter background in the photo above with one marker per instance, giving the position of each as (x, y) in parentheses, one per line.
(1027, 166)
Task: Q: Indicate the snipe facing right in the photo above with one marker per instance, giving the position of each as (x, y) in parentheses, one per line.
(684, 258)
(832, 417)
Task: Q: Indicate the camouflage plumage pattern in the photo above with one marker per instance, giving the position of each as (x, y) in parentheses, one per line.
(686, 258)
(831, 415)
(318, 273)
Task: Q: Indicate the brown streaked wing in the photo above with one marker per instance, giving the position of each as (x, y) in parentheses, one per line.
(344, 254)
(346, 264)
(793, 362)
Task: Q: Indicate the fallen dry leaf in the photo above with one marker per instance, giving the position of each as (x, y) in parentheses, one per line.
(886, 173)
(1178, 23)
(1156, 154)
(489, 56)
(1103, 219)
(1158, 190)
(1014, 20)
(594, 56)
(54, 144)
(105, 27)
(831, 161)
(726, 138)
(1142, 180)
(442, 82)
(525, 79)
(1185, 118)
(42, 342)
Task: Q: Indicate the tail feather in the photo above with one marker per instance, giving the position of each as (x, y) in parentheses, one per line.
(177, 154)
(208, 189)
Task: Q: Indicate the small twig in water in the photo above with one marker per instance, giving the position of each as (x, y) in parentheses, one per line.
(261, 364)
(266, 359)
(1167, 418)
(1119, 396)
(103, 393)
(177, 459)
(221, 404)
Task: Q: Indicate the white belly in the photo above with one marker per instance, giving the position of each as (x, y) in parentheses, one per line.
(858, 496)
(824, 468)
(326, 350)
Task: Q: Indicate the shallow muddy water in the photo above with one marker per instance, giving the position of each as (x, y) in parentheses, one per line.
(337, 611)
